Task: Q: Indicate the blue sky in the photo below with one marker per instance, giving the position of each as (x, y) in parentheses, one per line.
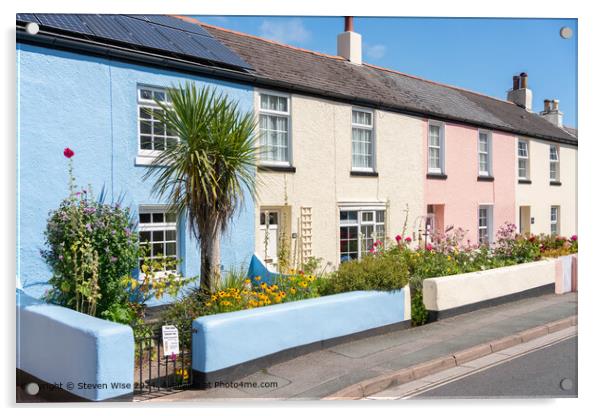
(477, 54)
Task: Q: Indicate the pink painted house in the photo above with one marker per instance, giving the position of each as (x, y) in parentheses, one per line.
(470, 179)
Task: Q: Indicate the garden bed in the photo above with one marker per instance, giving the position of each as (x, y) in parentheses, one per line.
(231, 345)
(452, 295)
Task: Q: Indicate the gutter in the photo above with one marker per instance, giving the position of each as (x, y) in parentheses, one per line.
(91, 47)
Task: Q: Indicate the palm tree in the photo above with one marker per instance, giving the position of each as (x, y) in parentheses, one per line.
(210, 170)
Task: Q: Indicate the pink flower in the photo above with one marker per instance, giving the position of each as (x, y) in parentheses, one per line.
(378, 243)
(372, 250)
(68, 153)
(574, 237)
(429, 247)
(398, 238)
(408, 239)
(173, 356)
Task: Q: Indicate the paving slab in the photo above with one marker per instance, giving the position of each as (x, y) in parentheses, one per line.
(322, 373)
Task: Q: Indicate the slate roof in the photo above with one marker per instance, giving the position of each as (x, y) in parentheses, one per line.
(303, 70)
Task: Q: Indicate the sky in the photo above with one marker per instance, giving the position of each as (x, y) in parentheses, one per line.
(481, 55)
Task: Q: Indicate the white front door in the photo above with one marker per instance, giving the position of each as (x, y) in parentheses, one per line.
(268, 227)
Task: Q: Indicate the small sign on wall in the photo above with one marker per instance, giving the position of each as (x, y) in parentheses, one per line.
(171, 340)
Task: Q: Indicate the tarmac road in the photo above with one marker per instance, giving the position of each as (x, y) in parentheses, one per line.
(547, 372)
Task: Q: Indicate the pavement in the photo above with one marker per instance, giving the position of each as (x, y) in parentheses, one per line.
(545, 367)
(341, 371)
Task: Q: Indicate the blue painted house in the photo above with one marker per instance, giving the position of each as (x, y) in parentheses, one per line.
(88, 93)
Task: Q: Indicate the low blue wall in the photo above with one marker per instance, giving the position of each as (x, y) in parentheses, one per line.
(59, 345)
(225, 340)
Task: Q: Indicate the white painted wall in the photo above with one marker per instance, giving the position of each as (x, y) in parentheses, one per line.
(321, 141)
(540, 195)
(449, 292)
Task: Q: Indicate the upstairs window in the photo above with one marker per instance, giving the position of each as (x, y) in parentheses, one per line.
(153, 134)
(523, 159)
(274, 125)
(484, 152)
(436, 147)
(362, 141)
(554, 164)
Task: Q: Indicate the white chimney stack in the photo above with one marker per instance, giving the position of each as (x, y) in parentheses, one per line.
(349, 43)
(551, 112)
(520, 94)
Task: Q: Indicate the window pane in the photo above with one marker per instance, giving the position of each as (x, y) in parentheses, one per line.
(170, 235)
(146, 142)
(144, 236)
(145, 113)
(146, 94)
(434, 135)
(380, 216)
(158, 236)
(158, 217)
(170, 249)
(159, 96)
(170, 217)
(157, 249)
(145, 218)
(367, 216)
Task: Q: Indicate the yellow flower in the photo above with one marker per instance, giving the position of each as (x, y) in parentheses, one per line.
(207, 303)
(293, 290)
(213, 298)
(247, 281)
(449, 257)
(274, 287)
(221, 293)
(258, 278)
(260, 303)
(282, 294)
(303, 284)
(277, 299)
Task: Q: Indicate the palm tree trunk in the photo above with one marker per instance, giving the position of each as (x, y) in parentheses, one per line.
(210, 259)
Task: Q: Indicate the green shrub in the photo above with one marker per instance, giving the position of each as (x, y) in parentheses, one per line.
(419, 312)
(373, 272)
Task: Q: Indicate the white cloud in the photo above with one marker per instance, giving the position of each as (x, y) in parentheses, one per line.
(285, 31)
(375, 51)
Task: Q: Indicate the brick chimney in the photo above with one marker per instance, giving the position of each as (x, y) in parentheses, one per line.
(349, 43)
(551, 112)
(520, 94)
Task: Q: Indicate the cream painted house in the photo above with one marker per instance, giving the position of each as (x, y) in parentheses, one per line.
(320, 197)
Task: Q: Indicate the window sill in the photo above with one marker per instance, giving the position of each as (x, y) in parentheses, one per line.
(524, 181)
(144, 160)
(555, 183)
(482, 178)
(440, 176)
(363, 173)
(276, 168)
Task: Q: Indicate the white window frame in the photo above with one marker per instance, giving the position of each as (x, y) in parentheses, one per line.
(158, 226)
(146, 156)
(488, 226)
(523, 157)
(556, 162)
(489, 171)
(372, 130)
(441, 168)
(555, 222)
(288, 115)
(359, 222)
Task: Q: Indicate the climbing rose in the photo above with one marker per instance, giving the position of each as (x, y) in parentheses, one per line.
(68, 153)
(408, 239)
(574, 237)
(398, 238)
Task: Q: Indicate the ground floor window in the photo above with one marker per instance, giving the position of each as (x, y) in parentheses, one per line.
(485, 224)
(554, 219)
(158, 233)
(359, 230)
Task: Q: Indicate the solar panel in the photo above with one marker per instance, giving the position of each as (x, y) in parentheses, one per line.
(183, 41)
(175, 23)
(27, 17)
(70, 22)
(106, 26)
(146, 34)
(222, 53)
(162, 33)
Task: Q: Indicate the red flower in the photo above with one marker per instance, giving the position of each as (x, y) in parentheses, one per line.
(574, 237)
(398, 238)
(429, 247)
(408, 239)
(68, 153)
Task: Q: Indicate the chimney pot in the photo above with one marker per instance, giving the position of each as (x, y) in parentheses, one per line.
(546, 105)
(348, 23)
(515, 82)
(555, 105)
(523, 80)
